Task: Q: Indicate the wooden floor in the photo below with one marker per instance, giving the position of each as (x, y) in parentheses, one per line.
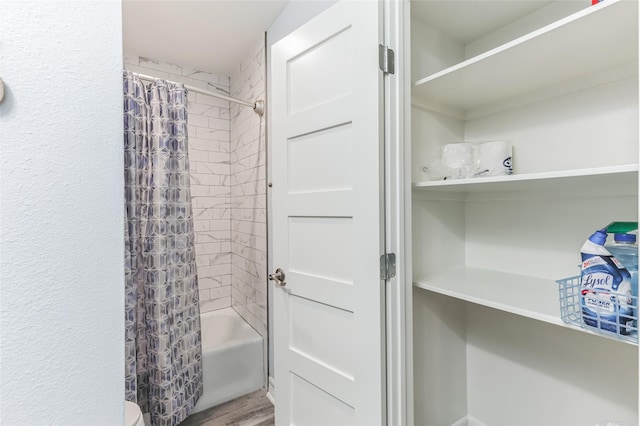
(253, 409)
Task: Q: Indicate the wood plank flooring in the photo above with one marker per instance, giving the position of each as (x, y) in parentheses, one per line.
(253, 409)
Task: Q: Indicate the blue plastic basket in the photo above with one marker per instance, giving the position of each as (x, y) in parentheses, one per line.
(570, 296)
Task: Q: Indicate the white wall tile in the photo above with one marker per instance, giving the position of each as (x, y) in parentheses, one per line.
(219, 191)
(202, 260)
(213, 237)
(243, 312)
(216, 304)
(190, 82)
(204, 179)
(210, 100)
(220, 213)
(245, 163)
(218, 123)
(202, 145)
(226, 138)
(214, 270)
(202, 109)
(203, 295)
(200, 75)
(248, 200)
(197, 155)
(152, 64)
(206, 248)
(210, 282)
(220, 258)
(199, 190)
(219, 225)
(200, 225)
(202, 214)
(211, 203)
(198, 120)
(212, 134)
(244, 176)
(220, 292)
(215, 157)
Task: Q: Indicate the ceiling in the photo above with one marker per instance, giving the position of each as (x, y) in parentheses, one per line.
(209, 35)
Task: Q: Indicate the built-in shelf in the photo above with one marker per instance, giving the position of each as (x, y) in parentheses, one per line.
(530, 297)
(594, 179)
(468, 21)
(597, 39)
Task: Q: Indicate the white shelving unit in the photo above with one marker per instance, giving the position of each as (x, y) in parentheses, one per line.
(560, 81)
(498, 290)
(603, 178)
(504, 292)
(570, 48)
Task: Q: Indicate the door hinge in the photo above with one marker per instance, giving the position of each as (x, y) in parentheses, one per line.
(387, 266)
(386, 59)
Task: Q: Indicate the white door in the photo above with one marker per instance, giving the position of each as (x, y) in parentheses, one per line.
(327, 162)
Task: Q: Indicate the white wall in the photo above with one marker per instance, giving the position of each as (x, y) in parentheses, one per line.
(61, 214)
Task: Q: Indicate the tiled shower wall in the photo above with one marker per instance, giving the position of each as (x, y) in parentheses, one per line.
(248, 193)
(209, 147)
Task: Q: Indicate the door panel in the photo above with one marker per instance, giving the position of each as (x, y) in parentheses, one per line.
(324, 232)
(324, 62)
(326, 153)
(312, 406)
(321, 331)
(328, 234)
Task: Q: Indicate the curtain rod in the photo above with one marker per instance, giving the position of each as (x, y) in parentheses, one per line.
(258, 106)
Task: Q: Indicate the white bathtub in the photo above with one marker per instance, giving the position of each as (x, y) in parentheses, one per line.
(232, 359)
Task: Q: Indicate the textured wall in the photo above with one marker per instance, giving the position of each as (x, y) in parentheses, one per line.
(208, 128)
(248, 193)
(61, 214)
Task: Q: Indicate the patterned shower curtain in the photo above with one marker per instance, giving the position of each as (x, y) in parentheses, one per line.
(163, 371)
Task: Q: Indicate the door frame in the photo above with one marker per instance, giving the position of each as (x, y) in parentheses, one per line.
(397, 145)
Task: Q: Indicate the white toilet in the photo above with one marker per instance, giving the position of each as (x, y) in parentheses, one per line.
(132, 414)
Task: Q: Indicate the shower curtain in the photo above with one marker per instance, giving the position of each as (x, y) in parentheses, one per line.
(163, 353)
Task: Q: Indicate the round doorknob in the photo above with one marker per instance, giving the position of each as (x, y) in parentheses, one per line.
(278, 277)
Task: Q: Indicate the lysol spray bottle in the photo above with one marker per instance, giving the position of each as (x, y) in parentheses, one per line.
(606, 287)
